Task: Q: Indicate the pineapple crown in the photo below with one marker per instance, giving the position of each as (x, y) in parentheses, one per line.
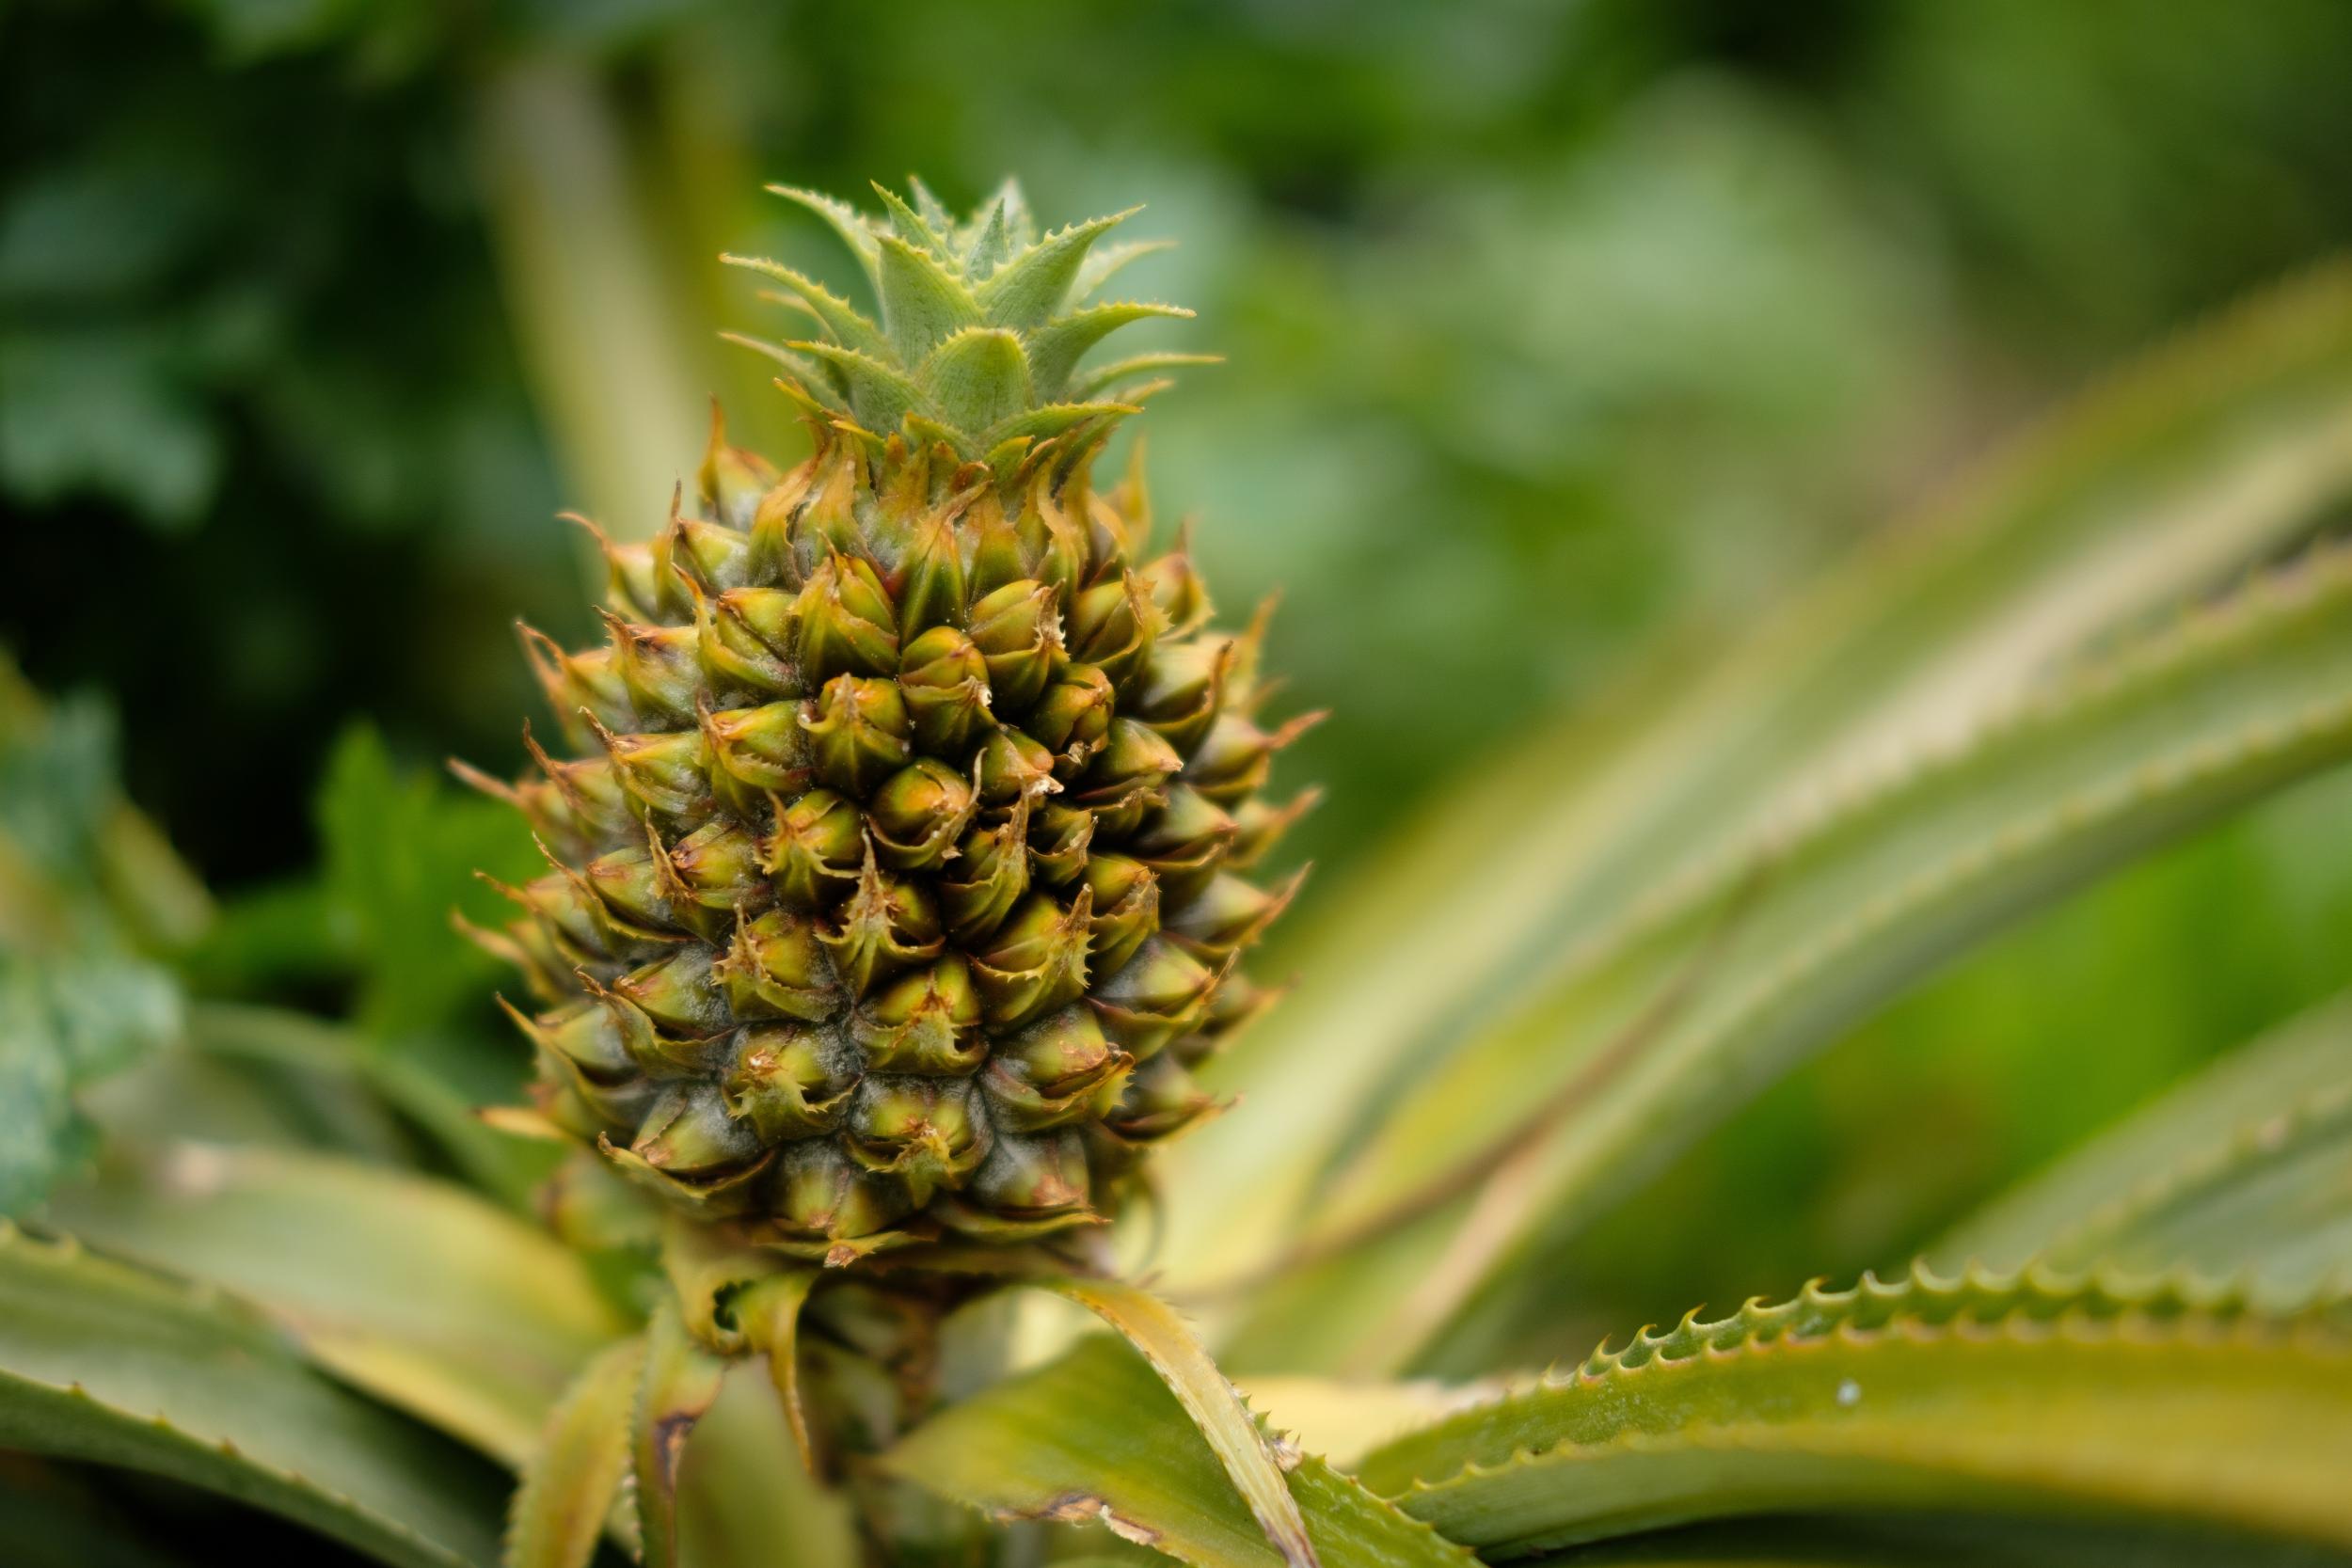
(983, 323)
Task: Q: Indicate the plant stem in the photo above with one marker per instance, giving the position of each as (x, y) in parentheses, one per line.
(874, 1360)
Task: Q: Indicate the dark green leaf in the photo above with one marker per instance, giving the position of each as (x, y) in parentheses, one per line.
(64, 1021)
(679, 1382)
(401, 850)
(101, 1362)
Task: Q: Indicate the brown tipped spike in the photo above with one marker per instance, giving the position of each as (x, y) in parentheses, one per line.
(1176, 589)
(665, 869)
(815, 416)
(475, 778)
(538, 753)
(546, 657)
(656, 666)
(504, 889)
(1258, 831)
(1281, 738)
(590, 818)
(1252, 646)
(545, 982)
(632, 582)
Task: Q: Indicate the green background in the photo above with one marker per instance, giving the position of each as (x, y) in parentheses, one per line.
(1558, 336)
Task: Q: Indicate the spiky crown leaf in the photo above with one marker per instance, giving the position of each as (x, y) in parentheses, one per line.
(983, 323)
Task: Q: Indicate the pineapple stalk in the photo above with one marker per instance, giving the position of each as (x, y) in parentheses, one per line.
(901, 839)
(872, 1355)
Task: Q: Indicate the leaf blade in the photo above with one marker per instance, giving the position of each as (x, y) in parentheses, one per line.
(679, 1382)
(1977, 1396)
(411, 1289)
(1164, 1340)
(923, 305)
(1032, 285)
(1055, 348)
(1629, 1056)
(1098, 1434)
(2239, 1171)
(570, 1483)
(2210, 453)
(976, 378)
(99, 1362)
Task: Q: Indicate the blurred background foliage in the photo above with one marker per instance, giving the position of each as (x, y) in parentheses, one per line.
(1560, 337)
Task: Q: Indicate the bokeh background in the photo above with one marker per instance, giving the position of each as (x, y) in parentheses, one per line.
(1557, 335)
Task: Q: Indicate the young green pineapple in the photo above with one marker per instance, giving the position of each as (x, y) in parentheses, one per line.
(899, 874)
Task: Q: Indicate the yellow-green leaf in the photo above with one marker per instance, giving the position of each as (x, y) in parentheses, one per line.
(1340, 1420)
(2246, 1170)
(1096, 1435)
(1164, 1340)
(570, 1482)
(745, 1499)
(105, 1362)
(1977, 1397)
(1720, 979)
(679, 1382)
(2145, 495)
(413, 1289)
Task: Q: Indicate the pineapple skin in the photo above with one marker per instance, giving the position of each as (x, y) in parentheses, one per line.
(898, 862)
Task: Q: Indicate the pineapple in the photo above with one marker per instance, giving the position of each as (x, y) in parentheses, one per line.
(899, 865)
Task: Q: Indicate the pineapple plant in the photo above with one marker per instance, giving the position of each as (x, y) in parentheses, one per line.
(902, 871)
(901, 878)
(902, 852)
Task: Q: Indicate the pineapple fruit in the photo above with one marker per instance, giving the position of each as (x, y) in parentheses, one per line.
(900, 864)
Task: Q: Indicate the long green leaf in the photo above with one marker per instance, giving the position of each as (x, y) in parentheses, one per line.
(1721, 981)
(852, 227)
(414, 1289)
(103, 1363)
(570, 1482)
(1055, 348)
(2245, 1170)
(1030, 287)
(849, 328)
(2205, 458)
(1979, 1396)
(679, 1384)
(1161, 1337)
(1096, 1435)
